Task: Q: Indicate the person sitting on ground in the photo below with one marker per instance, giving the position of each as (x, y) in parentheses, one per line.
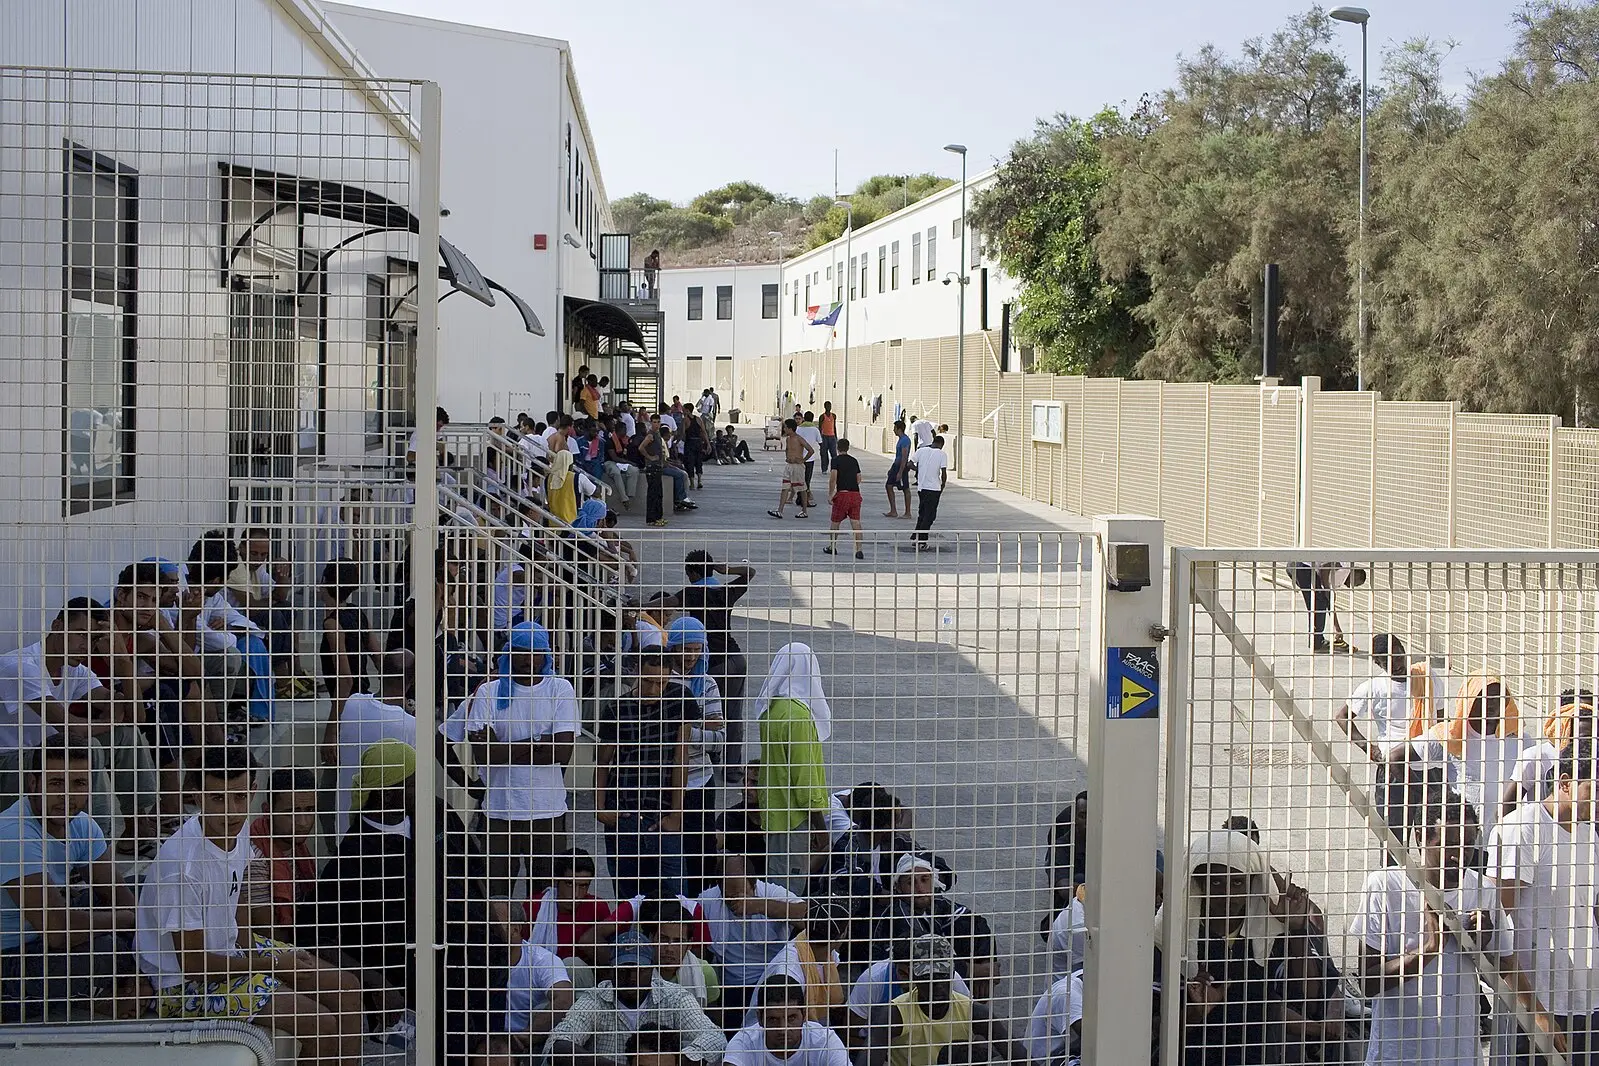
(232, 648)
(930, 1016)
(879, 984)
(975, 958)
(570, 921)
(359, 910)
(262, 582)
(918, 906)
(1055, 1030)
(538, 993)
(603, 1017)
(740, 447)
(795, 720)
(740, 831)
(190, 945)
(781, 1030)
(812, 960)
(367, 719)
(54, 949)
(349, 645)
(674, 932)
(748, 921)
(714, 589)
(654, 1046)
(280, 836)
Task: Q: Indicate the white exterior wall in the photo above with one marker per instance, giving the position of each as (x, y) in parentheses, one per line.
(707, 352)
(506, 176)
(918, 309)
(182, 356)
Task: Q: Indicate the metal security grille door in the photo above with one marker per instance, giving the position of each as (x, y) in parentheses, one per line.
(1407, 792)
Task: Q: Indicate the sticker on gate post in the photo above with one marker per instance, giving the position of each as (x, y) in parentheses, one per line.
(1132, 683)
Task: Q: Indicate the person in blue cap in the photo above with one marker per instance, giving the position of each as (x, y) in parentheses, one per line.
(636, 997)
(525, 721)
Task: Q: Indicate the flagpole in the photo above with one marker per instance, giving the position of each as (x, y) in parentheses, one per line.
(849, 244)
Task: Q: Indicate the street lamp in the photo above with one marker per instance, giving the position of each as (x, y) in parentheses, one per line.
(960, 338)
(782, 249)
(849, 243)
(1360, 17)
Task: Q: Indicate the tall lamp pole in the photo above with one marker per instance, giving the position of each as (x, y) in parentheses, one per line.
(1360, 17)
(960, 339)
(781, 249)
(849, 244)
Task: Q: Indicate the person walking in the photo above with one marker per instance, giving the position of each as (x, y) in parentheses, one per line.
(812, 433)
(932, 474)
(899, 472)
(844, 493)
(828, 425)
(652, 449)
(797, 454)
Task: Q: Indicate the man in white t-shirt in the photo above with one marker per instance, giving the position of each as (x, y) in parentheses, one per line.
(49, 685)
(1056, 1025)
(749, 922)
(1542, 859)
(932, 474)
(525, 722)
(1423, 984)
(538, 993)
(192, 950)
(440, 420)
(629, 425)
(923, 432)
(783, 1036)
(367, 719)
(1478, 751)
(1376, 717)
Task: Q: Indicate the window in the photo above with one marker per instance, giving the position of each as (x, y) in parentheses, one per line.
(954, 229)
(830, 272)
(893, 267)
(796, 299)
(769, 301)
(99, 329)
(724, 302)
(975, 243)
(839, 276)
(807, 292)
(882, 268)
(696, 302)
(932, 253)
(377, 307)
(864, 288)
(852, 277)
(916, 259)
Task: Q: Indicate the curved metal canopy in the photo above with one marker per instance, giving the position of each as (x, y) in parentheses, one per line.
(606, 320)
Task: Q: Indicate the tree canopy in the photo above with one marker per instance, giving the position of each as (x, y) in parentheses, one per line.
(1140, 235)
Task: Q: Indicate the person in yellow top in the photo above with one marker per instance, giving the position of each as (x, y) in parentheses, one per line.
(931, 1015)
(812, 959)
(794, 720)
(560, 485)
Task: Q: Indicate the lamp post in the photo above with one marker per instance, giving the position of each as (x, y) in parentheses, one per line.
(960, 338)
(782, 249)
(1360, 17)
(849, 242)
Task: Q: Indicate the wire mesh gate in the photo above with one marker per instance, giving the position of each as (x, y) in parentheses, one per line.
(1379, 818)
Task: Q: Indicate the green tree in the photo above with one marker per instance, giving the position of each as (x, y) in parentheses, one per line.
(1484, 232)
(879, 195)
(630, 212)
(735, 201)
(1246, 161)
(1040, 216)
(679, 228)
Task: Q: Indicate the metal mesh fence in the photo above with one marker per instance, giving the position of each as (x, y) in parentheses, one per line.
(1381, 846)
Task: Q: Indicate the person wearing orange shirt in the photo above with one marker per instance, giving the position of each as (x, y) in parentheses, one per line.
(828, 424)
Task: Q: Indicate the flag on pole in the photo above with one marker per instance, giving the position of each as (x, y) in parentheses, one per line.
(814, 316)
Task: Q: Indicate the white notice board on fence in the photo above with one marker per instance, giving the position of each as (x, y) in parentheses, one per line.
(1049, 422)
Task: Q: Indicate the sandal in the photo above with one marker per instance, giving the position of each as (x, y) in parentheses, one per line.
(774, 514)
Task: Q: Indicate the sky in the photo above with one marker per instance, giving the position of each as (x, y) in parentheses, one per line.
(686, 95)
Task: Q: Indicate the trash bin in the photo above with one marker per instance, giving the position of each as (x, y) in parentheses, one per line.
(736, 415)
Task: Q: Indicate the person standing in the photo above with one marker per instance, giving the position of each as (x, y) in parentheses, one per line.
(844, 493)
(1316, 583)
(796, 464)
(899, 472)
(828, 425)
(652, 270)
(1384, 703)
(652, 449)
(813, 436)
(795, 719)
(932, 474)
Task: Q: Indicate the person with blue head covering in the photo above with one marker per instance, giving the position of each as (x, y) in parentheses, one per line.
(523, 724)
(590, 514)
(688, 645)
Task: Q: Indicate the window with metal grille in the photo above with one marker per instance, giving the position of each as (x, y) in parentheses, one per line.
(99, 335)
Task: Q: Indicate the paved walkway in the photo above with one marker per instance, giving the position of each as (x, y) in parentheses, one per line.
(952, 675)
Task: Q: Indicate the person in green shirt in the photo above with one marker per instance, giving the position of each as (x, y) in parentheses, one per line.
(794, 721)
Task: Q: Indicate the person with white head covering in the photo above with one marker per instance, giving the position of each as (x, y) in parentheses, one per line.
(1230, 1012)
(794, 720)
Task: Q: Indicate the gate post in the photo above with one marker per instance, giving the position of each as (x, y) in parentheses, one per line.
(1125, 612)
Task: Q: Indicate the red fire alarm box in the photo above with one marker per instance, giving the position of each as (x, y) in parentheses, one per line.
(541, 242)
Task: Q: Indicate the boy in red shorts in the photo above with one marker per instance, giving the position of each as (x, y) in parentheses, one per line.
(844, 490)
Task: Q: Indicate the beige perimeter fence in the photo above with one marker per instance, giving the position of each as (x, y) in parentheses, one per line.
(1224, 465)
